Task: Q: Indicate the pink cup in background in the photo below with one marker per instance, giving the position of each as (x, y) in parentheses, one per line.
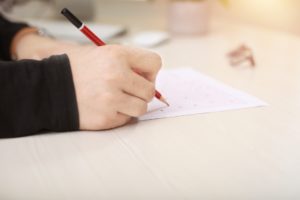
(189, 17)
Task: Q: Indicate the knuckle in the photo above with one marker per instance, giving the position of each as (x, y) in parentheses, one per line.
(150, 92)
(141, 109)
(114, 51)
(156, 60)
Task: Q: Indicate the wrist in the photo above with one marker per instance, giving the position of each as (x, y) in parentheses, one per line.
(30, 43)
(37, 46)
(23, 33)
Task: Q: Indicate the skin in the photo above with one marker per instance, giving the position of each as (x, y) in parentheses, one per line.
(108, 89)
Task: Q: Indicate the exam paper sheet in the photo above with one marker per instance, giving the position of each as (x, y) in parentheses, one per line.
(190, 92)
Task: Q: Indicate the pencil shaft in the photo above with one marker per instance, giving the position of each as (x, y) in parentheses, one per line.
(94, 38)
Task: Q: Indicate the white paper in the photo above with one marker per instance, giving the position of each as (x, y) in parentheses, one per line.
(190, 92)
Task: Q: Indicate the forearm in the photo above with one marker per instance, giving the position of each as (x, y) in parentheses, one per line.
(37, 95)
(19, 41)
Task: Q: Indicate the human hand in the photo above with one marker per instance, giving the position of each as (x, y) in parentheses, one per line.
(108, 89)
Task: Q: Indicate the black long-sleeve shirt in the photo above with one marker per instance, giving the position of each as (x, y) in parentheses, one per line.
(35, 96)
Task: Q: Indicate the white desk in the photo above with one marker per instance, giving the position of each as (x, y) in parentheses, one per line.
(245, 154)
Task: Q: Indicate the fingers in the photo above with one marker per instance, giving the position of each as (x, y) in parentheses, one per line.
(113, 83)
(118, 120)
(131, 106)
(144, 62)
(138, 86)
(108, 122)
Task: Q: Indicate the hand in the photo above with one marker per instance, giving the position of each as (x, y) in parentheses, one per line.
(108, 89)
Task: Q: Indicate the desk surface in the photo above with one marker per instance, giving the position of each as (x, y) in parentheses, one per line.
(245, 154)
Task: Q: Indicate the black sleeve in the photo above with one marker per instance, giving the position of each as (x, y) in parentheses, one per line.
(7, 32)
(37, 96)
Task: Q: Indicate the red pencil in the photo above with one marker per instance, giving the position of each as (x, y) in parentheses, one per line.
(94, 38)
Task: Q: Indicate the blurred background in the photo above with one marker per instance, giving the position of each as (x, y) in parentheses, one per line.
(281, 15)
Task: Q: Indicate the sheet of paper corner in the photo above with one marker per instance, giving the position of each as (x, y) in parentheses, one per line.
(65, 30)
(190, 92)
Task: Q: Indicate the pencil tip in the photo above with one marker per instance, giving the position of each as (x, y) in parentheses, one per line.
(164, 101)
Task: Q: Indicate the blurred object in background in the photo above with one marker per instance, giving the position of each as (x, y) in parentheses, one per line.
(27, 8)
(64, 30)
(189, 17)
(148, 39)
(160, 14)
(242, 55)
(6, 5)
(281, 15)
(48, 8)
(84, 9)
